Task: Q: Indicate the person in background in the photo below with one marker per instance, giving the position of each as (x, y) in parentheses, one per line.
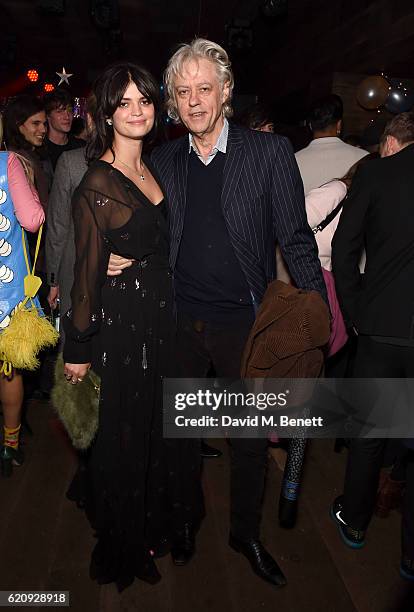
(60, 256)
(378, 215)
(79, 128)
(20, 207)
(321, 201)
(257, 117)
(327, 156)
(59, 113)
(25, 128)
(60, 240)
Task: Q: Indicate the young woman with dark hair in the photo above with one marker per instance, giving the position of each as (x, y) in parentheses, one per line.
(142, 491)
(24, 123)
(25, 128)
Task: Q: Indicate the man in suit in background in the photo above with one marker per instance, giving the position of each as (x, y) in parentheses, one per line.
(379, 214)
(232, 194)
(60, 239)
(327, 157)
(60, 250)
(59, 112)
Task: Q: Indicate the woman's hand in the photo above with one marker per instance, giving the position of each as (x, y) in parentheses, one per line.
(117, 263)
(75, 372)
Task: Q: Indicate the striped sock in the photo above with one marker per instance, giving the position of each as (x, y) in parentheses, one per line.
(11, 436)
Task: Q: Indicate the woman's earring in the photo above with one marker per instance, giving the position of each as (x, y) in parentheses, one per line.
(109, 121)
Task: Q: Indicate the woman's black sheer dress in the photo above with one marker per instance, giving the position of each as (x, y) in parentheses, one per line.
(138, 489)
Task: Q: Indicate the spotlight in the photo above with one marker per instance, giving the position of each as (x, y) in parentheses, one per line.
(48, 87)
(32, 75)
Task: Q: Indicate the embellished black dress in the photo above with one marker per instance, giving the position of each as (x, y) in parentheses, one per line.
(138, 488)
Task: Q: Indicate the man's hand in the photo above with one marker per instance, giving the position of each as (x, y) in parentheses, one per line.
(75, 372)
(117, 264)
(53, 297)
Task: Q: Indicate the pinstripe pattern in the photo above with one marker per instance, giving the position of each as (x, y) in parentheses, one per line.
(263, 203)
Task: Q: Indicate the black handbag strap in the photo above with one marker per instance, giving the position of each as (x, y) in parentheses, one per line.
(321, 226)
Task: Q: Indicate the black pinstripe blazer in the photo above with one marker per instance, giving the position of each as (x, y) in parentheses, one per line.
(263, 203)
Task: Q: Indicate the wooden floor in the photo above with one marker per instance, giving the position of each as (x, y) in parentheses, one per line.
(45, 542)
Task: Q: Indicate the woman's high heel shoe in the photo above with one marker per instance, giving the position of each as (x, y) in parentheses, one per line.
(10, 457)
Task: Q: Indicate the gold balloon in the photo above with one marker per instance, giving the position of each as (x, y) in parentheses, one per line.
(373, 92)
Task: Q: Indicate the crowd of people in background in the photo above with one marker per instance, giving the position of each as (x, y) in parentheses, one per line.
(139, 237)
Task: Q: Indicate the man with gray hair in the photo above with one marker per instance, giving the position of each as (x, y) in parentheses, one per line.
(233, 193)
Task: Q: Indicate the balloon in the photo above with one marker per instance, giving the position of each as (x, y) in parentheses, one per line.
(400, 97)
(373, 92)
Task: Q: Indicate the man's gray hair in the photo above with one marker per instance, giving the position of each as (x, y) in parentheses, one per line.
(199, 48)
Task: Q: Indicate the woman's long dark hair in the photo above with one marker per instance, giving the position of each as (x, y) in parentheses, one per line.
(15, 114)
(109, 89)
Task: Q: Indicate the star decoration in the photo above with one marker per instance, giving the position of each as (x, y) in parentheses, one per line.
(64, 76)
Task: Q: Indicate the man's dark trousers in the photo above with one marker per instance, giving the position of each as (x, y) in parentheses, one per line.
(201, 345)
(375, 359)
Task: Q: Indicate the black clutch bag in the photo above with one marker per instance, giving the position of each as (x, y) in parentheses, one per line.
(77, 405)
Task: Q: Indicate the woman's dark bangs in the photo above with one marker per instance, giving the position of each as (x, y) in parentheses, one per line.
(116, 90)
(145, 85)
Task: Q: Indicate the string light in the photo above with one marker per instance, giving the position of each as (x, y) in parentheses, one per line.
(32, 75)
(48, 87)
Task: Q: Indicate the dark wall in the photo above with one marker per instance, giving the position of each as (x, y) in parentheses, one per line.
(148, 32)
(291, 62)
(320, 37)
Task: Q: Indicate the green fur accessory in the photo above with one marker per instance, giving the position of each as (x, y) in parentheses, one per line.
(77, 405)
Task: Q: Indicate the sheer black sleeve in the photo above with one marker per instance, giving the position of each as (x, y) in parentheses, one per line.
(82, 321)
(100, 204)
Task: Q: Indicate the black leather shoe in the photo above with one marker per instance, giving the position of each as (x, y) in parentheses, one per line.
(183, 547)
(209, 452)
(261, 561)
